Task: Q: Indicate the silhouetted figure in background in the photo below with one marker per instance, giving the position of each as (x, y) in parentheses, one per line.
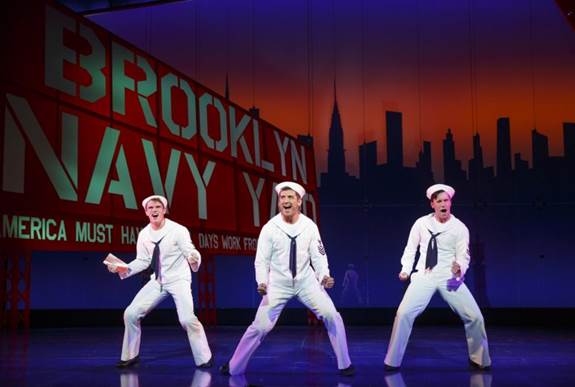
(350, 293)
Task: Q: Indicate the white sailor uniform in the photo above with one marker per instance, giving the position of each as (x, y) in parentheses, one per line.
(452, 245)
(272, 268)
(174, 278)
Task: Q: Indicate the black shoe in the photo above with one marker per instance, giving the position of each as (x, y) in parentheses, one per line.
(388, 368)
(349, 371)
(128, 363)
(225, 369)
(476, 367)
(207, 364)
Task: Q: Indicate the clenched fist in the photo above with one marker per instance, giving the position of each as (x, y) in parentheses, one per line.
(327, 282)
(194, 260)
(403, 276)
(262, 289)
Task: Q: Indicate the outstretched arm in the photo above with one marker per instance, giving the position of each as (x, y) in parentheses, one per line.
(142, 261)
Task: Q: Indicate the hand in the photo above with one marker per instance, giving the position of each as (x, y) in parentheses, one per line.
(262, 289)
(194, 257)
(403, 276)
(117, 269)
(327, 282)
(122, 269)
(456, 269)
(194, 260)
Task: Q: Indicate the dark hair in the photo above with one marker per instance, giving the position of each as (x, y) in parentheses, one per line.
(291, 189)
(435, 194)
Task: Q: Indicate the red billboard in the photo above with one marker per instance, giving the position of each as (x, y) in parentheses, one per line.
(91, 125)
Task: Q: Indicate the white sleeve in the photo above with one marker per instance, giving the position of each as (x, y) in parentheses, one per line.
(263, 256)
(142, 261)
(318, 255)
(410, 250)
(462, 256)
(186, 246)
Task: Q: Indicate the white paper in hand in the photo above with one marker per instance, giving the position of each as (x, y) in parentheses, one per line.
(112, 260)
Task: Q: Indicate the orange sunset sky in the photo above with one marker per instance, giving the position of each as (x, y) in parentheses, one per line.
(443, 64)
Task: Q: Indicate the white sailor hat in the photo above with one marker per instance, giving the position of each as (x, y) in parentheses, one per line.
(440, 187)
(156, 197)
(292, 185)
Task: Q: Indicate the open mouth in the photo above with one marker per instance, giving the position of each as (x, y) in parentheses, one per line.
(443, 210)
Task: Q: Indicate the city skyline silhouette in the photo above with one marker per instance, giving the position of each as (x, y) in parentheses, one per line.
(489, 59)
(511, 179)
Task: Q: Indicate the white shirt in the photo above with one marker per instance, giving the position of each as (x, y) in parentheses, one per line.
(272, 256)
(452, 244)
(175, 247)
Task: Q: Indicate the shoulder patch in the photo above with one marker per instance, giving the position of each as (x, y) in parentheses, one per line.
(320, 247)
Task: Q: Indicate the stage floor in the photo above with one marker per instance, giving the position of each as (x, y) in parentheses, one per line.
(290, 356)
